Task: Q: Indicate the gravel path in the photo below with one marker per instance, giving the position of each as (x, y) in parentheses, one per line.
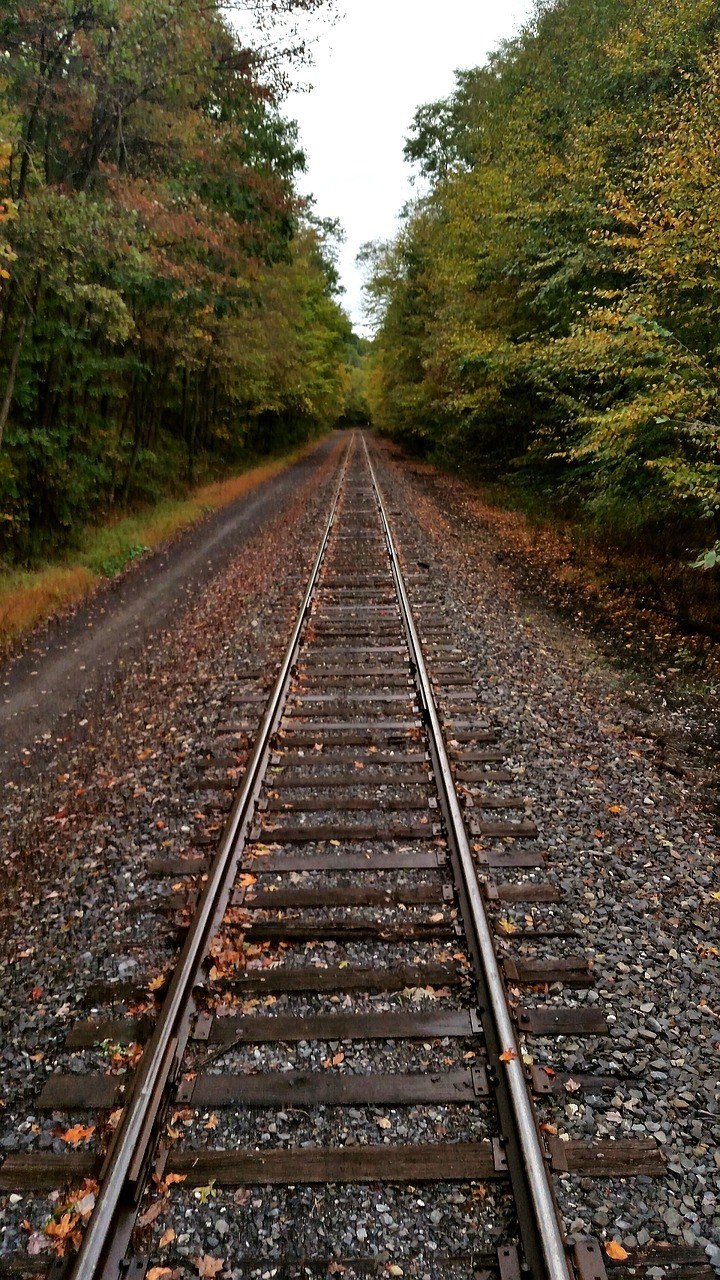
(60, 670)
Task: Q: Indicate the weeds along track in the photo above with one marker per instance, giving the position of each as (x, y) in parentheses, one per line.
(336, 1076)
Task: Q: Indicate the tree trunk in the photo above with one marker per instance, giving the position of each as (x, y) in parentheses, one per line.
(12, 374)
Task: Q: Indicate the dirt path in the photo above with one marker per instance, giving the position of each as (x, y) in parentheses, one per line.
(46, 687)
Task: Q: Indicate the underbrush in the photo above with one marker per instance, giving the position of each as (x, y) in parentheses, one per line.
(28, 597)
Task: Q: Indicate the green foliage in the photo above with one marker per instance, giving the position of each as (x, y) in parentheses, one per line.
(166, 305)
(109, 566)
(549, 312)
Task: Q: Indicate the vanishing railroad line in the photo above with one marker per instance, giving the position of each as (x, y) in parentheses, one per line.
(355, 898)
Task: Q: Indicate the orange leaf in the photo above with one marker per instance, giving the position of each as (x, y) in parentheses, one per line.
(167, 1238)
(79, 1133)
(62, 1229)
(152, 1213)
(616, 1251)
(209, 1266)
(508, 1056)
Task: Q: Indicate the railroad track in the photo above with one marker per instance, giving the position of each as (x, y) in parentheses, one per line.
(348, 952)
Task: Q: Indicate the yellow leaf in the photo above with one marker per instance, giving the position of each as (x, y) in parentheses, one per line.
(211, 1122)
(506, 925)
(384, 1123)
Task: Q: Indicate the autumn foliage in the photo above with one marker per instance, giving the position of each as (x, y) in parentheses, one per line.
(549, 312)
(166, 304)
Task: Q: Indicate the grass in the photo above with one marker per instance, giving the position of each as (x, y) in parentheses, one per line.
(28, 597)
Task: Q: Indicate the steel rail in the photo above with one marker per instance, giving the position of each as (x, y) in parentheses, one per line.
(127, 1157)
(545, 1231)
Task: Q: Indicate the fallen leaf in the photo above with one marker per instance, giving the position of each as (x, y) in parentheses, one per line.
(79, 1133)
(38, 1243)
(384, 1123)
(159, 1273)
(506, 925)
(211, 1122)
(86, 1204)
(437, 918)
(616, 1251)
(62, 1229)
(152, 1213)
(170, 1178)
(508, 1056)
(208, 1266)
(245, 880)
(572, 1086)
(156, 983)
(549, 1128)
(167, 1238)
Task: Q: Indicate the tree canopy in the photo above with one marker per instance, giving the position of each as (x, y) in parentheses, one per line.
(549, 311)
(167, 299)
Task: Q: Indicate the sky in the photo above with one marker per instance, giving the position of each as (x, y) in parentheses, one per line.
(372, 68)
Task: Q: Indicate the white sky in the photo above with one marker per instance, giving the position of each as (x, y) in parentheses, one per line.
(372, 69)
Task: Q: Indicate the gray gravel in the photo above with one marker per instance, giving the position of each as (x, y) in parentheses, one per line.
(635, 852)
(625, 842)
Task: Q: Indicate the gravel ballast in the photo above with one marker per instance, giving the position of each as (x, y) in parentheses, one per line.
(630, 846)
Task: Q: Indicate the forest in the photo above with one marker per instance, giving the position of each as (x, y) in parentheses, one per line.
(548, 314)
(168, 304)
